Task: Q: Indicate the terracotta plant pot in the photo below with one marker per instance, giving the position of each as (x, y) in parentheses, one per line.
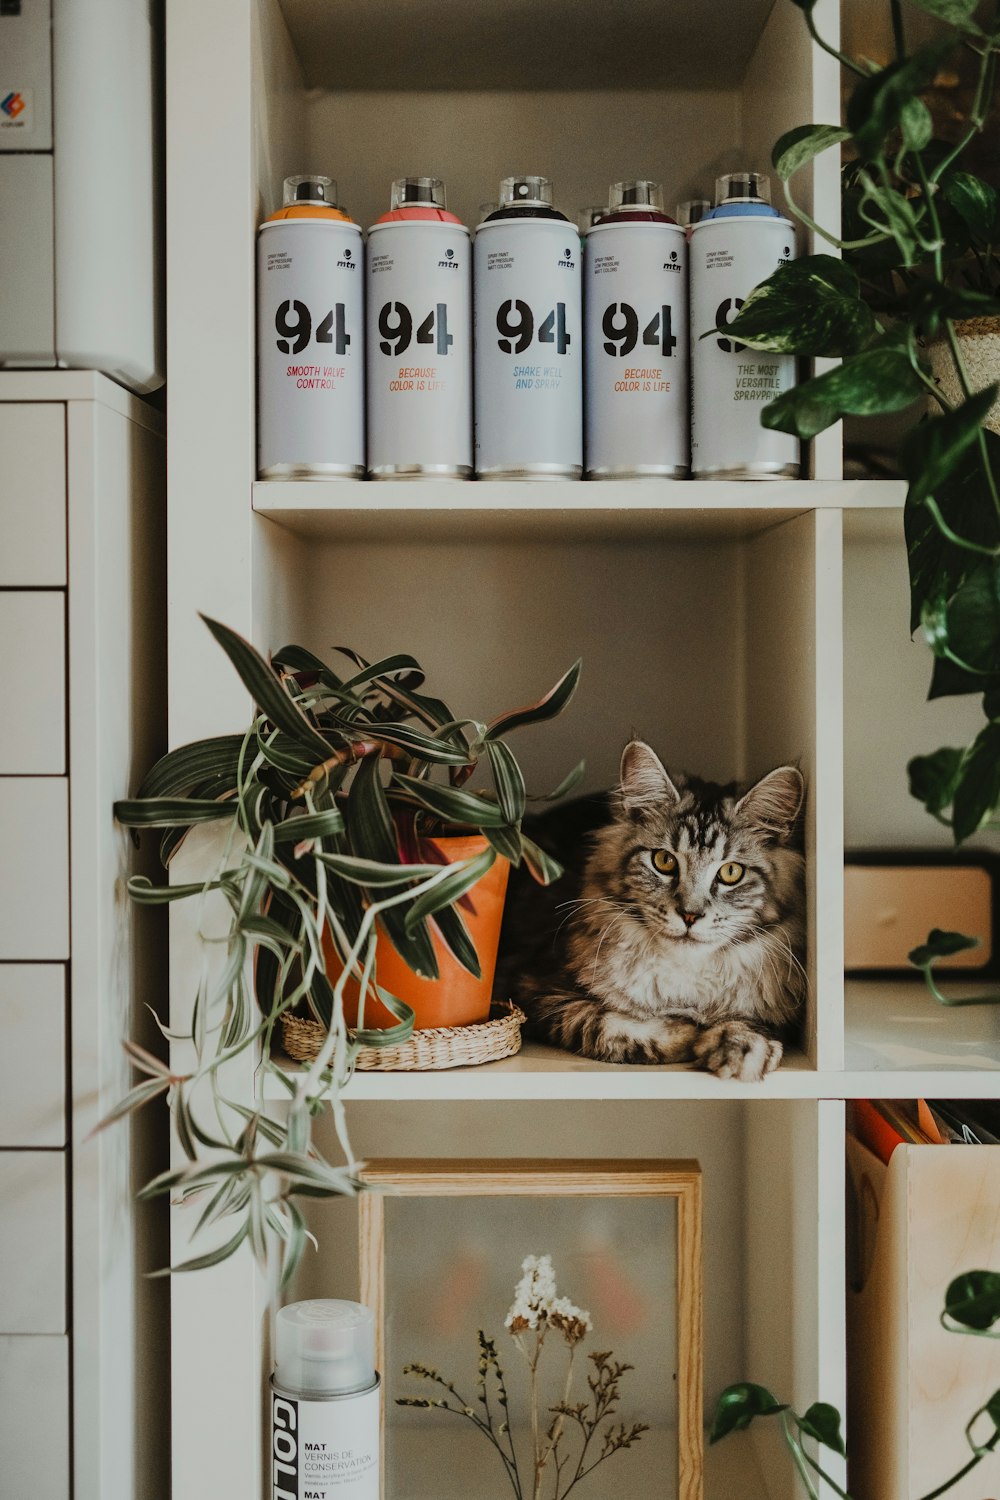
(979, 342)
(456, 997)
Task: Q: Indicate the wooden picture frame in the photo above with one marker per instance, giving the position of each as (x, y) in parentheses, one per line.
(678, 1180)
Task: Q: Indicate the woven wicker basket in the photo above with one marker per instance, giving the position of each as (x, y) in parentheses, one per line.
(979, 341)
(438, 1047)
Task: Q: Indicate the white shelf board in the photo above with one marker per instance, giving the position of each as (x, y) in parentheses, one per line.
(606, 510)
(897, 1026)
(539, 1072)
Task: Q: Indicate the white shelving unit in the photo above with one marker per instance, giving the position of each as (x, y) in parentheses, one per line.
(710, 617)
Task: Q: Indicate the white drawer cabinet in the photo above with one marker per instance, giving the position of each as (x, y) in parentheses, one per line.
(82, 1369)
(32, 1242)
(34, 1418)
(32, 1056)
(34, 867)
(33, 487)
(33, 682)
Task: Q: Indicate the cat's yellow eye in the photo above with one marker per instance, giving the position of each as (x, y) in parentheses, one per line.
(665, 862)
(731, 873)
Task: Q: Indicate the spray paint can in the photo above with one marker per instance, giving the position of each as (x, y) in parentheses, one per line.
(310, 338)
(419, 338)
(529, 343)
(325, 1403)
(735, 247)
(636, 339)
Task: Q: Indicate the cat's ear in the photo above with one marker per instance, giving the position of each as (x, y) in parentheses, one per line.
(773, 804)
(645, 784)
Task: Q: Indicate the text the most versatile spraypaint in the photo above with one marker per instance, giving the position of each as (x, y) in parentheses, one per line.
(310, 338)
(419, 337)
(636, 340)
(325, 1403)
(529, 341)
(734, 248)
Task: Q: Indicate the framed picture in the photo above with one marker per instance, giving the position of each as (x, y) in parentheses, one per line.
(577, 1275)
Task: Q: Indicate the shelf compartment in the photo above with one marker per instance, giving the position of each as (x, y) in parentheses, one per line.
(714, 648)
(772, 1174)
(896, 1025)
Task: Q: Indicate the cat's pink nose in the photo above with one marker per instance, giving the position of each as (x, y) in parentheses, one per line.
(689, 918)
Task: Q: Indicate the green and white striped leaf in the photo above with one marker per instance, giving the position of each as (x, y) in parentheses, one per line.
(318, 825)
(172, 812)
(508, 780)
(266, 690)
(461, 878)
(543, 867)
(452, 804)
(546, 707)
(180, 769)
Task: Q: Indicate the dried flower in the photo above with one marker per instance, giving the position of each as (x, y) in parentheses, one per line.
(533, 1295)
(537, 1309)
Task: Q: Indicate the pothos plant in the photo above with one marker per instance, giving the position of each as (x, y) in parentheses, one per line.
(919, 254)
(326, 804)
(972, 1306)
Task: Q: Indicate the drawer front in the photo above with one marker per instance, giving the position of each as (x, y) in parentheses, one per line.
(33, 683)
(34, 1418)
(34, 867)
(32, 1055)
(32, 1242)
(32, 494)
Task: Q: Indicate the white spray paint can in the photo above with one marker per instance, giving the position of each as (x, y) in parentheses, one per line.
(734, 248)
(419, 338)
(529, 338)
(325, 1403)
(310, 338)
(636, 420)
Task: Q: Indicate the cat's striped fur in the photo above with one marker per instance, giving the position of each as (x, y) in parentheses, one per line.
(624, 963)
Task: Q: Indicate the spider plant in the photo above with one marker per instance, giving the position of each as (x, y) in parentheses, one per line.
(323, 807)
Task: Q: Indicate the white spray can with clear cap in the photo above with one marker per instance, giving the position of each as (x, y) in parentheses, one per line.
(527, 296)
(734, 248)
(636, 341)
(419, 337)
(310, 337)
(325, 1403)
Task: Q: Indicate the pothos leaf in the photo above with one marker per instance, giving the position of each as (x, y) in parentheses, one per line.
(737, 1407)
(973, 1300)
(796, 148)
(875, 381)
(822, 1422)
(933, 778)
(940, 944)
(877, 103)
(978, 791)
(807, 306)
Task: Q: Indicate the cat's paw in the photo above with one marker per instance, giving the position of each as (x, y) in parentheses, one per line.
(732, 1049)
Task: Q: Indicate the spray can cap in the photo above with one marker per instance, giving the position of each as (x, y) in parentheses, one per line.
(742, 187)
(626, 195)
(588, 217)
(533, 192)
(692, 211)
(309, 187)
(325, 1345)
(427, 192)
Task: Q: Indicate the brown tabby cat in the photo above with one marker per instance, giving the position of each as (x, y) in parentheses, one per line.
(677, 932)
